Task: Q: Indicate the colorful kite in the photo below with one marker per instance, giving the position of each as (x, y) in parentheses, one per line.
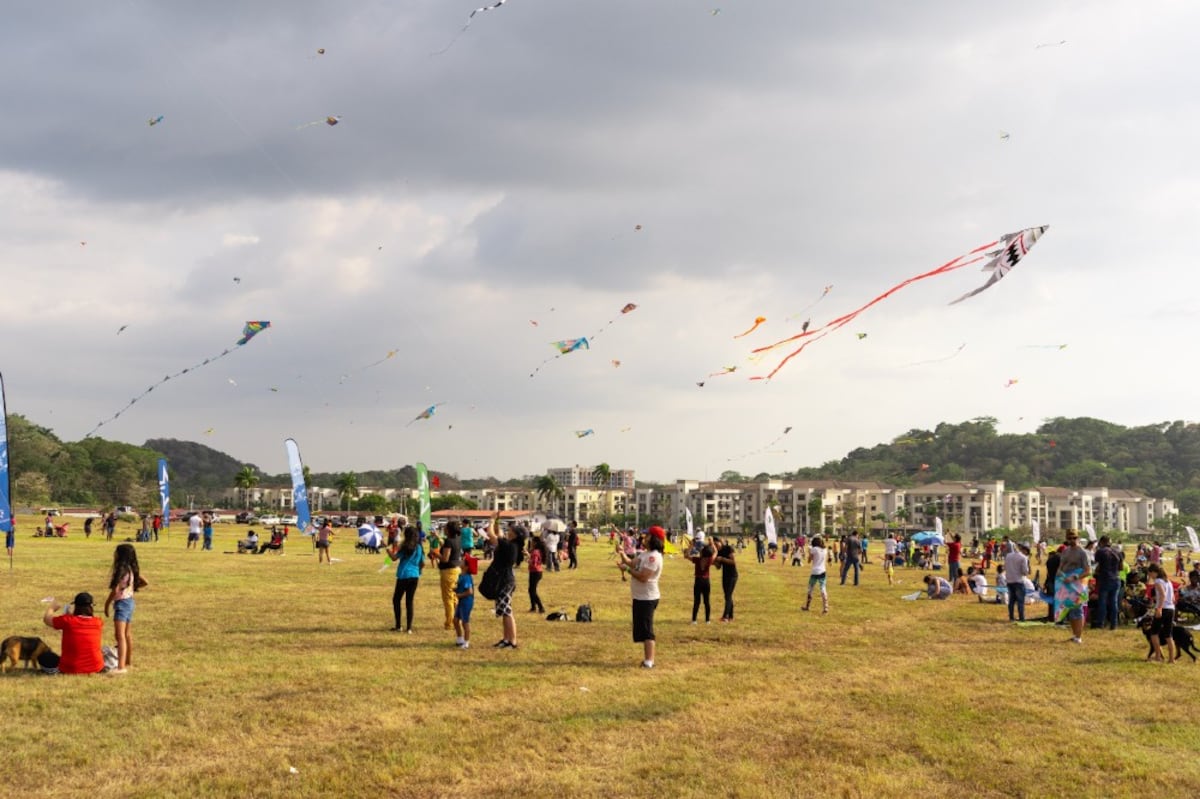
(949, 357)
(426, 414)
(584, 433)
(802, 311)
(615, 363)
(564, 347)
(861, 336)
(725, 370)
(1070, 592)
(248, 332)
(155, 120)
(1012, 381)
(758, 320)
(1012, 248)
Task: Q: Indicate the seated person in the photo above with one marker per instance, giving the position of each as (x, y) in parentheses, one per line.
(81, 631)
(249, 544)
(1031, 591)
(978, 582)
(276, 542)
(961, 586)
(937, 587)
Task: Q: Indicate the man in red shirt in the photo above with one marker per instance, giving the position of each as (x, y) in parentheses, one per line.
(81, 633)
(954, 557)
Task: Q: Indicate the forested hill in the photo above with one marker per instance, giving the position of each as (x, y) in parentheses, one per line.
(1161, 460)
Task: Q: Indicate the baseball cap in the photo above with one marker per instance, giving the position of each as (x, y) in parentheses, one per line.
(82, 599)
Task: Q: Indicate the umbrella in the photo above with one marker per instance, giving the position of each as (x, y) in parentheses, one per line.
(555, 525)
(928, 537)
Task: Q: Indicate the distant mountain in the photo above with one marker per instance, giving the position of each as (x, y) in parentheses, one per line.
(197, 469)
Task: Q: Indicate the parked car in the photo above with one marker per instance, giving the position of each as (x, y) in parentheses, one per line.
(269, 519)
(246, 517)
(291, 521)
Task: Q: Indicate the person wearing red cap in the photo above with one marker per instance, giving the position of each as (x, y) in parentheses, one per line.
(645, 569)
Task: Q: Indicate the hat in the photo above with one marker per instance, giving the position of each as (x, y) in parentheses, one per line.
(657, 532)
(83, 598)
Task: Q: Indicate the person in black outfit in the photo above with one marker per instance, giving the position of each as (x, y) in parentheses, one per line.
(573, 547)
(1048, 586)
(506, 556)
(727, 563)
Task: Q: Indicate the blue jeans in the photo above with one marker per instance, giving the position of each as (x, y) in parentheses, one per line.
(846, 568)
(1109, 607)
(953, 571)
(1016, 597)
(123, 610)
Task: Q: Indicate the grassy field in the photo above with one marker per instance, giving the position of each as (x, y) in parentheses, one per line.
(246, 667)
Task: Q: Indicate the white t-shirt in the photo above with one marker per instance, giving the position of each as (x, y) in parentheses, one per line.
(889, 546)
(194, 525)
(817, 556)
(1168, 592)
(648, 589)
(979, 582)
(552, 541)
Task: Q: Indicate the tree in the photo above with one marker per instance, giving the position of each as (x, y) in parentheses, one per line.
(245, 480)
(816, 513)
(375, 504)
(602, 476)
(448, 501)
(347, 488)
(548, 490)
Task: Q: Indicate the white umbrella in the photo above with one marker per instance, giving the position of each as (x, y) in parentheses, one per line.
(555, 525)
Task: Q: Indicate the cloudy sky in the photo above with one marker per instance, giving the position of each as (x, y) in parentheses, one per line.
(560, 160)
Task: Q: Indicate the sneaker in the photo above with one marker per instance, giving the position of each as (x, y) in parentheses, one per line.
(508, 645)
(408, 631)
(458, 641)
(805, 608)
(500, 644)
(647, 664)
(693, 621)
(708, 621)
(1076, 640)
(465, 645)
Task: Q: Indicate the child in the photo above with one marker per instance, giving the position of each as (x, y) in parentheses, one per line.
(464, 589)
(322, 542)
(817, 556)
(125, 580)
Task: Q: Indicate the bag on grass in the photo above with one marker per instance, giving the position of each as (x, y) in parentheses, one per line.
(489, 585)
(584, 613)
(557, 615)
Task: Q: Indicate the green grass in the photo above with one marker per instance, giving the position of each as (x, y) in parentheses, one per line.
(247, 666)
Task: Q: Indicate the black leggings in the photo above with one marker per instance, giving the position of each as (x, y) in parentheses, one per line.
(535, 601)
(406, 589)
(701, 590)
(728, 583)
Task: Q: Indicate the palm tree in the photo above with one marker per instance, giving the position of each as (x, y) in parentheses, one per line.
(347, 487)
(245, 480)
(601, 476)
(548, 490)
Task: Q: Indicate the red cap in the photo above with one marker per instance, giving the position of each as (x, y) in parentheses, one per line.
(658, 532)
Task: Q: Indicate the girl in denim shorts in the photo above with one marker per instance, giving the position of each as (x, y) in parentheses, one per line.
(126, 579)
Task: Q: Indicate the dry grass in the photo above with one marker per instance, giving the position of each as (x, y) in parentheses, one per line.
(247, 666)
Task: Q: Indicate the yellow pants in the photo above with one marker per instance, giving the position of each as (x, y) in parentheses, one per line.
(449, 600)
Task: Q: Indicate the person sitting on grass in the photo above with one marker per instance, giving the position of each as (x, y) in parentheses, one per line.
(961, 586)
(978, 582)
(276, 542)
(937, 587)
(81, 634)
(249, 543)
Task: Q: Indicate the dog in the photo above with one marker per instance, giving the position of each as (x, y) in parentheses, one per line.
(1184, 641)
(20, 647)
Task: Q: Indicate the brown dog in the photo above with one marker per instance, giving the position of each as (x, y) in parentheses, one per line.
(20, 647)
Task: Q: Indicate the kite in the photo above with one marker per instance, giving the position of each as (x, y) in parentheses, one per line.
(629, 306)
(758, 320)
(1004, 135)
(766, 448)
(637, 227)
(237, 280)
(121, 329)
(471, 17)
(1009, 248)
(427, 413)
(564, 347)
(615, 363)
(801, 312)
(154, 120)
(951, 356)
(1051, 44)
(715, 11)
(1045, 346)
(804, 327)
(1070, 592)
(435, 481)
(535, 324)
(232, 382)
(861, 336)
(1012, 381)
(330, 121)
(208, 432)
(248, 332)
(627, 429)
(584, 433)
(725, 370)
(700, 383)
(320, 51)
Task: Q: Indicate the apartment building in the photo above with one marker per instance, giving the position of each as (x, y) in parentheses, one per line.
(582, 476)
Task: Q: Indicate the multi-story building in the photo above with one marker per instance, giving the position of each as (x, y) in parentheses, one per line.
(583, 476)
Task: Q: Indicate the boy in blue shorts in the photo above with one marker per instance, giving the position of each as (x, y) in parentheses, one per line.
(464, 589)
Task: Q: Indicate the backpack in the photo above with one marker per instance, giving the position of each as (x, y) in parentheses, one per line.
(489, 585)
(557, 615)
(584, 613)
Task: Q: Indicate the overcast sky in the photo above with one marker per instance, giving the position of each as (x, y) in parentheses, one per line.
(766, 149)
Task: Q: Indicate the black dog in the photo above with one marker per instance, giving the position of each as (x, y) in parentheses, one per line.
(1184, 642)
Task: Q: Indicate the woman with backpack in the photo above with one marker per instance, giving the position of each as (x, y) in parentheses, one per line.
(506, 557)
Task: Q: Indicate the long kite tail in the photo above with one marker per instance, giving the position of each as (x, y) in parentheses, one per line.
(133, 401)
(470, 18)
(816, 334)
